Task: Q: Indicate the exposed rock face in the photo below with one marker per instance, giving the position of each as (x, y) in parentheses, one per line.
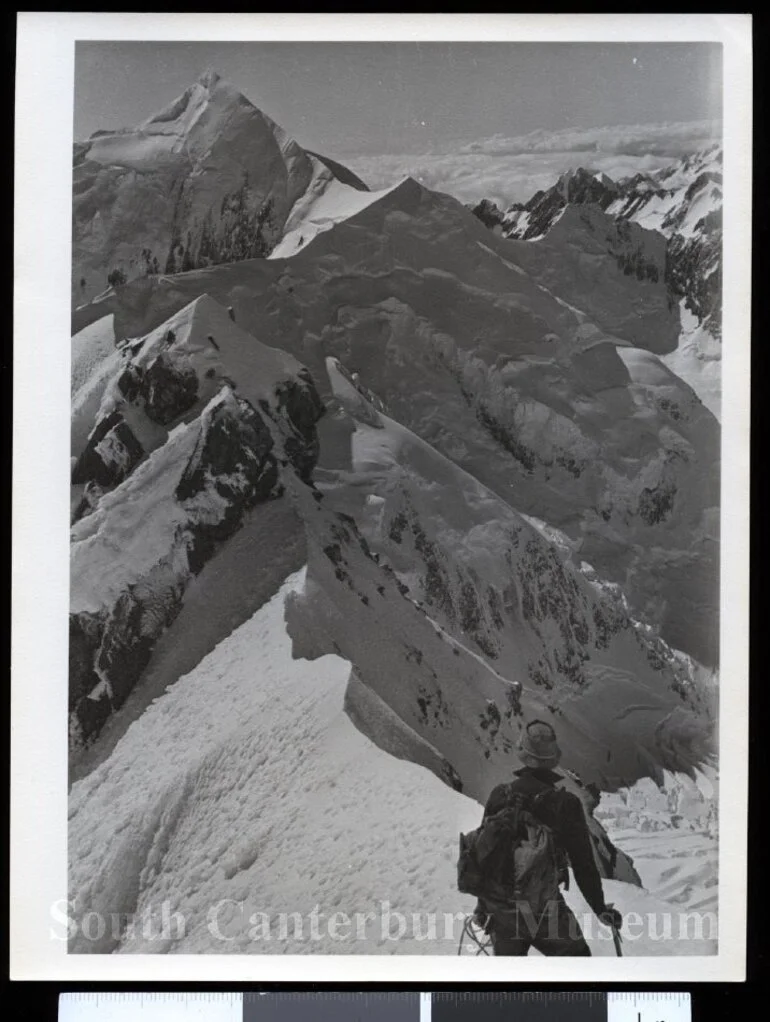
(695, 271)
(151, 516)
(167, 391)
(684, 202)
(232, 462)
(534, 218)
(111, 454)
(298, 400)
(488, 213)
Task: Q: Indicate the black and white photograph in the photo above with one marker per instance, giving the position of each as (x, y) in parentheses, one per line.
(401, 615)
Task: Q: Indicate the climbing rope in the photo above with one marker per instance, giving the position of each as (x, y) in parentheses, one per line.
(468, 930)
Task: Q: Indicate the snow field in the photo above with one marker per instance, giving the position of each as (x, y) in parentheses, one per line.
(246, 781)
(698, 360)
(326, 203)
(90, 347)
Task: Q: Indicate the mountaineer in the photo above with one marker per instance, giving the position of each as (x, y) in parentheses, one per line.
(516, 861)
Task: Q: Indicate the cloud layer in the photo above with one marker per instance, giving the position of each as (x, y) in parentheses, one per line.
(512, 169)
(672, 139)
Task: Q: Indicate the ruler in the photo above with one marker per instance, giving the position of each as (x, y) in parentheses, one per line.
(559, 1006)
(371, 1006)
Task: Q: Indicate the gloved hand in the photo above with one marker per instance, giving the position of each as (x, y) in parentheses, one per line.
(611, 917)
(481, 918)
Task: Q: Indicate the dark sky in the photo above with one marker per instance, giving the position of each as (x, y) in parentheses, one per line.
(349, 98)
(331, 1007)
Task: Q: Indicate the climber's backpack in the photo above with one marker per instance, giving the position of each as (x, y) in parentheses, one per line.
(511, 858)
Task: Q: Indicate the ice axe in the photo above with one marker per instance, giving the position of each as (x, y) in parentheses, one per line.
(616, 938)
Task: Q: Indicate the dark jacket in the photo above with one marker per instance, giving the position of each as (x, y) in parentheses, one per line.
(563, 813)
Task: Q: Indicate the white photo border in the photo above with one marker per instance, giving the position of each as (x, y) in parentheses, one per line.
(40, 549)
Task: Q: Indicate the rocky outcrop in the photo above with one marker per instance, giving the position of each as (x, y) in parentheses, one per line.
(695, 271)
(167, 390)
(488, 213)
(534, 218)
(299, 401)
(111, 454)
(223, 464)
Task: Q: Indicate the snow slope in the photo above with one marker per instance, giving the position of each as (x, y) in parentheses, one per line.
(318, 210)
(671, 832)
(90, 347)
(243, 573)
(698, 360)
(510, 506)
(676, 198)
(273, 804)
(678, 866)
(597, 247)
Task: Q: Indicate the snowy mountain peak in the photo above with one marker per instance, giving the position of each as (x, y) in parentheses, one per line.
(499, 355)
(582, 185)
(209, 78)
(209, 179)
(209, 91)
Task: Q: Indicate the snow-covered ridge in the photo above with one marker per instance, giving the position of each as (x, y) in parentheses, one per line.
(173, 444)
(485, 623)
(326, 203)
(684, 202)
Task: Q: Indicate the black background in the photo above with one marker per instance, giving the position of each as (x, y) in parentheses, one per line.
(734, 1002)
